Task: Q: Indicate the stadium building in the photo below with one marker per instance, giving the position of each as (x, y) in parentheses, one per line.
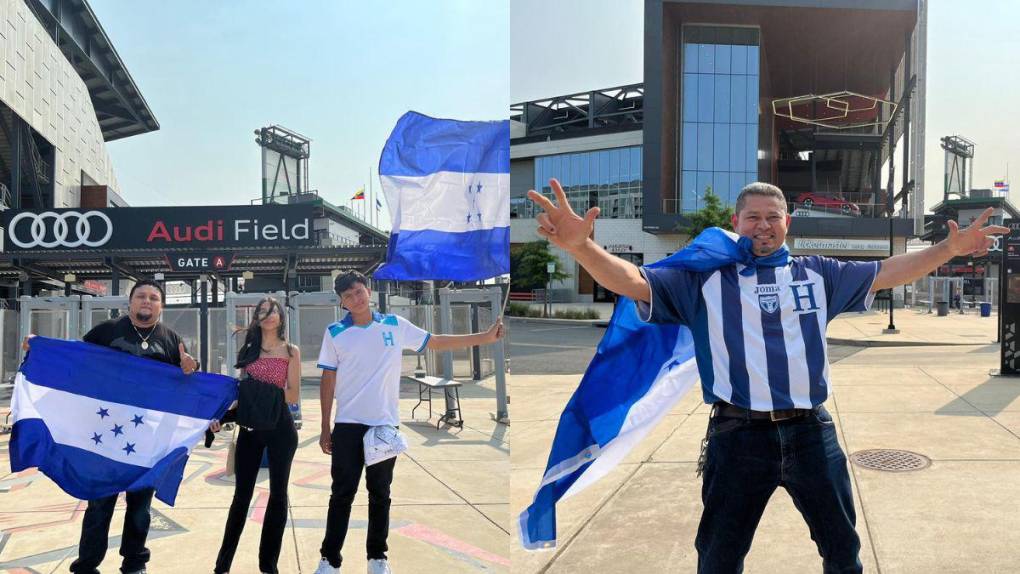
(824, 99)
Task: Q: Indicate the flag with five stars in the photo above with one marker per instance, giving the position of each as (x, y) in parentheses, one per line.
(98, 421)
(447, 186)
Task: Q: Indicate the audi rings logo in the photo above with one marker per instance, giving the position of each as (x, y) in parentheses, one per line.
(69, 229)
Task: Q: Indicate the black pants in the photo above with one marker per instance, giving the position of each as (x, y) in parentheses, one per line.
(747, 460)
(95, 533)
(281, 443)
(348, 459)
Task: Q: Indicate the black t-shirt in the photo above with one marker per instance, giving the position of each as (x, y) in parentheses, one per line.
(120, 334)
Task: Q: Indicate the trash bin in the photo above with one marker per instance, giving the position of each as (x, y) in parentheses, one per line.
(986, 309)
(943, 308)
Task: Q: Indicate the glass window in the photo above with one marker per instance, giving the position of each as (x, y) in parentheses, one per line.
(752, 99)
(706, 97)
(689, 151)
(575, 170)
(604, 167)
(721, 147)
(721, 185)
(706, 58)
(635, 164)
(624, 164)
(721, 112)
(722, 59)
(690, 97)
(704, 181)
(691, 58)
(705, 147)
(614, 166)
(738, 59)
(751, 159)
(736, 184)
(737, 146)
(752, 60)
(738, 99)
(688, 189)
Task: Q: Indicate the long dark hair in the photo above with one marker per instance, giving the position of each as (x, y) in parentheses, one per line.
(252, 346)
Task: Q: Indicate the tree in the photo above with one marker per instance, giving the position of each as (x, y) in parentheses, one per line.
(528, 266)
(711, 214)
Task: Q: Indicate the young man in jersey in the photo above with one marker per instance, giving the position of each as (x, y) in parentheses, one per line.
(760, 345)
(360, 361)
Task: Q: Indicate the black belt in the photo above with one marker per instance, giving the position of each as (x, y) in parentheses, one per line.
(732, 411)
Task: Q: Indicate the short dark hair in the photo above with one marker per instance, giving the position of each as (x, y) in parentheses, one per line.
(761, 189)
(347, 279)
(149, 283)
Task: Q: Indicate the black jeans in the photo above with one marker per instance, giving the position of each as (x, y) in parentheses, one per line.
(95, 533)
(281, 443)
(747, 460)
(348, 460)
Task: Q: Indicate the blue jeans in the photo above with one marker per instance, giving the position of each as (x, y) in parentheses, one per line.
(95, 533)
(746, 460)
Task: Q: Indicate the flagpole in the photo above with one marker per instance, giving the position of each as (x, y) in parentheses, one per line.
(370, 192)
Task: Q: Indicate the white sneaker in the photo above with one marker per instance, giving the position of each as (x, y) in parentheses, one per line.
(325, 568)
(379, 566)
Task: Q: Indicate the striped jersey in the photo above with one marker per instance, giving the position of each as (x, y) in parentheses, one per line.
(760, 339)
(367, 361)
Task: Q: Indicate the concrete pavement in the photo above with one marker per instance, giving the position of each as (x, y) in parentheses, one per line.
(961, 514)
(449, 513)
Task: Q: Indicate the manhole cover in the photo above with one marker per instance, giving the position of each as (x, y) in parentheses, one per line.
(890, 460)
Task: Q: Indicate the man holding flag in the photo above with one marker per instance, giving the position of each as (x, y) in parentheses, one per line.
(446, 184)
(753, 320)
(131, 423)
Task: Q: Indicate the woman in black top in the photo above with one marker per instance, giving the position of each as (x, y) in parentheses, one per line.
(267, 358)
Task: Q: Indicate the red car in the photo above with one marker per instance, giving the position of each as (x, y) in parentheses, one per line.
(810, 200)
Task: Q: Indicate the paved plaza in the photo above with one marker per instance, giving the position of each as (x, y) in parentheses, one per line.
(449, 513)
(958, 515)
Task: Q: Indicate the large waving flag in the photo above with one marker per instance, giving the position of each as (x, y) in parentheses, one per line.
(447, 184)
(639, 372)
(99, 421)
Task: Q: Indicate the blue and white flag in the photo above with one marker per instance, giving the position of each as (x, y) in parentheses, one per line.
(639, 372)
(99, 421)
(447, 184)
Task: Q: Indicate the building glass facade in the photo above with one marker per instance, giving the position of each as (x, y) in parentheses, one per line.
(720, 112)
(609, 178)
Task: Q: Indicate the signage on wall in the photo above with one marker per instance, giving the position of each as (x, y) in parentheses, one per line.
(164, 228)
(824, 244)
(199, 261)
(618, 248)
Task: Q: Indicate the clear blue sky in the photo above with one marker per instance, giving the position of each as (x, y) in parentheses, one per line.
(973, 78)
(338, 72)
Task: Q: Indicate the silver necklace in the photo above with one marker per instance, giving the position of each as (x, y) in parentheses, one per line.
(145, 339)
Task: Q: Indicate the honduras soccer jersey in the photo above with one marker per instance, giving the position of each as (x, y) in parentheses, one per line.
(760, 339)
(367, 359)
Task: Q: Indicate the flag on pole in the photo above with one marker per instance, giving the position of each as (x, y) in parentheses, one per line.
(360, 194)
(1001, 185)
(639, 372)
(98, 421)
(447, 184)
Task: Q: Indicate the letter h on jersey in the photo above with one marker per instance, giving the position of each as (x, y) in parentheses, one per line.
(808, 295)
(387, 338)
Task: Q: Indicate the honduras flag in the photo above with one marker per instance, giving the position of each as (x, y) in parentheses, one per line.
(447, 184)
(639, 372)
(99, 421)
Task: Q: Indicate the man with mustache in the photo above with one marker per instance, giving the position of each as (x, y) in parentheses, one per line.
(759, 337)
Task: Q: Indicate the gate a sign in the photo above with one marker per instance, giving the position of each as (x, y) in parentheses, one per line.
(202, 262)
